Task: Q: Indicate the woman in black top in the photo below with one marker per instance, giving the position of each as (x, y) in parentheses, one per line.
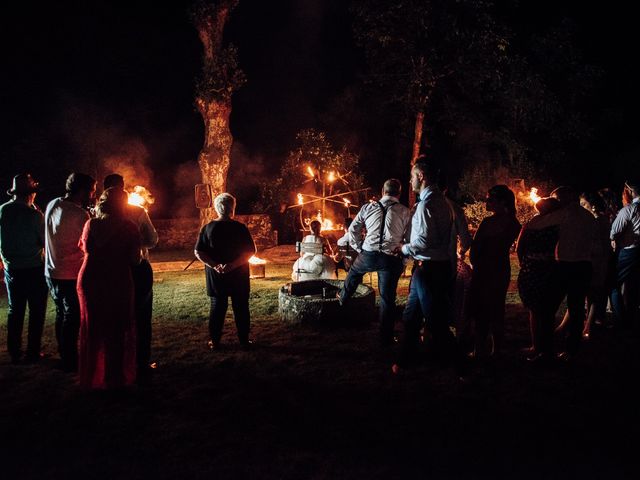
(225, 246)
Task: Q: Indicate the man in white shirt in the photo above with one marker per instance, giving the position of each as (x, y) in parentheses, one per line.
(142, 278)
(432, 232)
(386, 223)
(625, 234)
(64, 221)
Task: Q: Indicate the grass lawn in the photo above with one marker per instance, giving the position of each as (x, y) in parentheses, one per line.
(318, 403)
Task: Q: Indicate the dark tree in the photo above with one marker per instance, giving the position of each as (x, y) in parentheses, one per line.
(220, 77)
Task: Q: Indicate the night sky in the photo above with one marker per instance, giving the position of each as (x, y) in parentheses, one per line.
(89, 82)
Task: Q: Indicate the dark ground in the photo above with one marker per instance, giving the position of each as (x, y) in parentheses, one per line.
(321, 404)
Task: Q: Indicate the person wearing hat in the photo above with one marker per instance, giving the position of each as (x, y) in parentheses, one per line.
(625, 235)
(64, 221)
(21, 249)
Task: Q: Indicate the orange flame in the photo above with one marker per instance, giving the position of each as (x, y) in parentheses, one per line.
(347, 202)
(257, 261)
(533, 195)
(332, 176)
(141, 197)
(300, 199)
(310, 172)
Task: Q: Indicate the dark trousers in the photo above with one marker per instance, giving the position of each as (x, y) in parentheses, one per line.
(219, 305)
(575, 278)
(65, 296)
(25, 287)
(625, 296)
(429, 300)
(389, 269)
(143, 285)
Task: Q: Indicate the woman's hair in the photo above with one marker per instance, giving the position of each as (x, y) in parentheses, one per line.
(315, 227)
(225, 205)
(505, 196)
(113, 202)
(547, 205)
(596, 202)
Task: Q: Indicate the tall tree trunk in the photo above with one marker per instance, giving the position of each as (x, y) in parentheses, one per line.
(215, 156)
(215, 110)
(415, 153)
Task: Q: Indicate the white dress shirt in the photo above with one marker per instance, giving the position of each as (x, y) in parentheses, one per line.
(396, 226)
(432, 228)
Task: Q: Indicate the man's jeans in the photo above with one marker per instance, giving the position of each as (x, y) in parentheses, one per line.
(389, 269)
(429, 300)
(625, 296)
(25, 287)
(65, 296)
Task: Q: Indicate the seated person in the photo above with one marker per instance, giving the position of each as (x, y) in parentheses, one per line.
(312, 265)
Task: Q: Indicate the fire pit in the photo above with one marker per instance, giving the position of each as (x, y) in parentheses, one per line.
(314, 302)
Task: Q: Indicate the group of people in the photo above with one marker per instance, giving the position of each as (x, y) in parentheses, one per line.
(92, 258)
(578, 247)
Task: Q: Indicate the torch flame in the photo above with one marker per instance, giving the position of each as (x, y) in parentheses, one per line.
(347, 202)
(533, 195)
(332, 176)
(141, 197)
(300, 199)
(310, 172)
(257, 261)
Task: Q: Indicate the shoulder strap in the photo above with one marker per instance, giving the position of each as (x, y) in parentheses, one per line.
(382, 222)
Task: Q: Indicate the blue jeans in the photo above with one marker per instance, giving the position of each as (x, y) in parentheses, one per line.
(625, 296)
(389, 269)
(429, 300)
(65, 296)
(25, 287)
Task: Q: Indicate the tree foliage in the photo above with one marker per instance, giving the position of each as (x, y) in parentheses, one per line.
(313, 150)
(221, 74)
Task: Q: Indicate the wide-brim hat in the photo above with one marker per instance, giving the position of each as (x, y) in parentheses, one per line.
(23, 184)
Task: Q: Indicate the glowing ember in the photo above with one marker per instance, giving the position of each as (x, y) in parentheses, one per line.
(310, 172)
(257, 261)
(332, 176)
(141, 197)
(533, 195)
(347, 202)
(300, 199)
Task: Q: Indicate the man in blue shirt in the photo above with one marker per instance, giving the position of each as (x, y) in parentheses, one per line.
(432, 234)
(21, 248)
(625, 235)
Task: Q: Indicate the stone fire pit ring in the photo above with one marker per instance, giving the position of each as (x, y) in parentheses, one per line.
(314, 302)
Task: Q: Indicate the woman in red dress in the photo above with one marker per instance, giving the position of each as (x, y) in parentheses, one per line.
(105, 289)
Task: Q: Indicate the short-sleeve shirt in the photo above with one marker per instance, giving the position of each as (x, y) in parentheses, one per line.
(224, 241)
(64, 221)
(21, 235)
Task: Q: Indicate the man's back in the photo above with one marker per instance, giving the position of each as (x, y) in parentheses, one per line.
(21, 235)
(64, 221)
(397, 219)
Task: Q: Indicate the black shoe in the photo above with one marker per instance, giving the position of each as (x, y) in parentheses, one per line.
(541, 359)
(565, 357)
(389, 341)
(16, 360)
